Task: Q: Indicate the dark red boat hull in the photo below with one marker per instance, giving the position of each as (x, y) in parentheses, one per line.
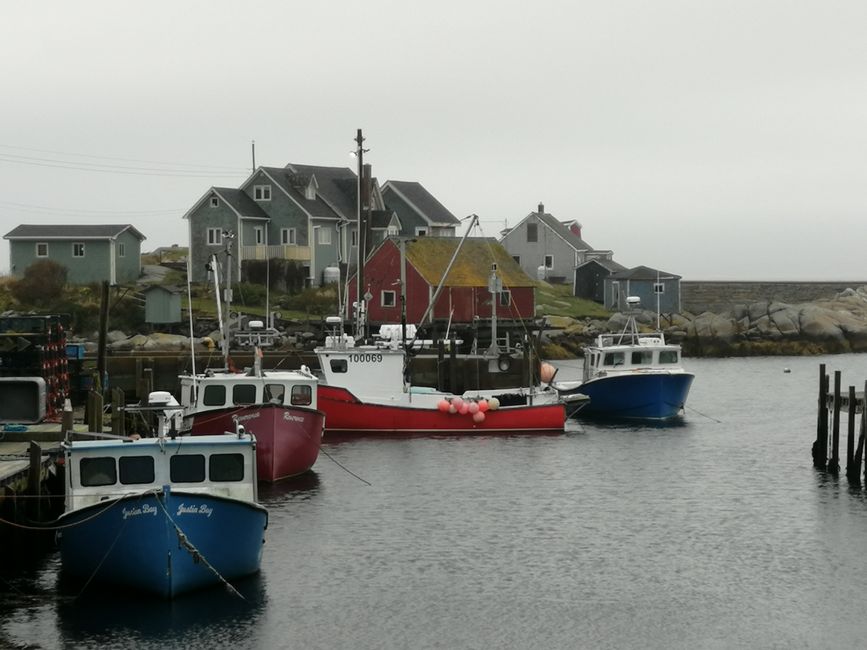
(287, 439)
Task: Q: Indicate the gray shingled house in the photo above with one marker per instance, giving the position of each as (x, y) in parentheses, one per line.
(590, 278)
(543, 245)
(419, 212)
(304, 213)
(90, 253)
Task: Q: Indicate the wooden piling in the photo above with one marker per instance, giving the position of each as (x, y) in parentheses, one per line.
(118, 417)
(34, 479)
(441, 355)
(834, 463)
(850, 435)
(820, 446)
(453, 365)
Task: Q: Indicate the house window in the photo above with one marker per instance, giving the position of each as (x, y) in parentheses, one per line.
(259, 234)
(615, 293)
(215, 236)
(78, 249)
(42, 249)
(310, 191)
(532, 232)
(421, 232)
(658, 287)
(121, 249)
(505, 298)
(324, 236)
(354, 238)
(262, 192)
(517, 259)
(287, 236)
(549, 261)
(215, 202)
(392, 231)
(387, 299)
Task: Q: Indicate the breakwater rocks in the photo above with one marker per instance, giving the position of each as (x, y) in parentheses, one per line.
(826, 326)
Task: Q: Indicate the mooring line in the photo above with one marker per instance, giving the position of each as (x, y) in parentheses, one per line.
(196, 553)
(345, 469)
(697, 412)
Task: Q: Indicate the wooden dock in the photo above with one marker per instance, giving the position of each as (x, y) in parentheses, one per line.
(832, 404)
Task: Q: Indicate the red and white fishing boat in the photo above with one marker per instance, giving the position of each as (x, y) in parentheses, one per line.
(364, 392)
(278, 407)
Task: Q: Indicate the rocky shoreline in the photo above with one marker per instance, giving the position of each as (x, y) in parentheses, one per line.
(830, 326)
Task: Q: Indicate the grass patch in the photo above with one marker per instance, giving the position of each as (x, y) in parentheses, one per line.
(557, 300)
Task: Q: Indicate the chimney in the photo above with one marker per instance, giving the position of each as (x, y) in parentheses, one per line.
(541, 208)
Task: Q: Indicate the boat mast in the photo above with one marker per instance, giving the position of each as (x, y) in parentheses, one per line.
(360, 307)
(228, 235)
(215, 267)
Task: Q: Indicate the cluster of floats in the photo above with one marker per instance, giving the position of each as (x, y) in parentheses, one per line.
(179, 510)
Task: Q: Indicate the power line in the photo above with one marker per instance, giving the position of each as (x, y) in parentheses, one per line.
(87, 212)
(108, 169)
(135, 160)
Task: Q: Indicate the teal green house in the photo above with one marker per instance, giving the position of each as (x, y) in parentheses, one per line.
(91, 253)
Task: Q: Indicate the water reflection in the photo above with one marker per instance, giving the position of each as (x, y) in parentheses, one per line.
(120, 617)
(298, 488)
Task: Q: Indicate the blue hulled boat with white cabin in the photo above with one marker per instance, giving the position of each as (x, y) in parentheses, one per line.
(164, 515)
(632, 375)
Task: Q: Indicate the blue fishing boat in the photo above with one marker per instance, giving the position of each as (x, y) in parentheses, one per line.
(164, 515)
(631, 374)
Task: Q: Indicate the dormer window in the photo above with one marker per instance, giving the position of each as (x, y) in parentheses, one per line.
(262, 192)
(310, 191)
(215, 202)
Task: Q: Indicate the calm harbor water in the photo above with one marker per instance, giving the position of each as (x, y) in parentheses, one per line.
(714, 532)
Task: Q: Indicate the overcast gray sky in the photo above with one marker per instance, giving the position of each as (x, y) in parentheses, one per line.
(715, 140)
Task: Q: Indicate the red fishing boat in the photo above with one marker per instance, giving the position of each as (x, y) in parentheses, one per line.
(279, 408)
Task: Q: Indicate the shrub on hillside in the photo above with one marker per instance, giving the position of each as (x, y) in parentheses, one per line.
(41, 286)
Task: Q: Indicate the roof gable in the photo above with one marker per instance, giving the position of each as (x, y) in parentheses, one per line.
(644, 273)
(69, 231)
(423, 202)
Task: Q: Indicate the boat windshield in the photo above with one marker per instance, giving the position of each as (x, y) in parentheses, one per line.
(668, 356)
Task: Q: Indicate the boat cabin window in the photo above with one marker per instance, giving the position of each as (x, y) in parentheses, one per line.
(613, 359)
(274, 393)
(642, 357)
(97, 471)
(302, 395)
(338, 365)
(187, 469)
(214, 395)
(244, 394)
(226, 467)
(668, 356)
(136, 469)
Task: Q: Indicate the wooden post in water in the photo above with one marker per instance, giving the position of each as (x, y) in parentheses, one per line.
(820, 446)
(34, 478)
(855, 475)
(834, 463)
(453, 365)
(441, 355)
(850, 435)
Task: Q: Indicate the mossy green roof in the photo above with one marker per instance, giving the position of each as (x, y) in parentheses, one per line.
(431, 255)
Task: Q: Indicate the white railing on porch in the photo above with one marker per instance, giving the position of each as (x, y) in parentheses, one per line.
(287, 252)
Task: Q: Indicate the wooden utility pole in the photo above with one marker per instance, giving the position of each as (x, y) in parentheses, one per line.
(103, 334)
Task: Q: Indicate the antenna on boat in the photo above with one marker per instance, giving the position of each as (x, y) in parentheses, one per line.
(360, 240)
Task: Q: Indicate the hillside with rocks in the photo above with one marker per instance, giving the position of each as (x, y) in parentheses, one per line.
(826, 326)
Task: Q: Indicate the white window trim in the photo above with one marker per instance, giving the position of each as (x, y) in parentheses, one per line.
(75, 245)
(393, 295)
(324, 236)
(392, 231)
(121, 249)
(421, 231)
(261, 192)
(259, 235)
(215, 202)
(288, 237)
(551, 265)
(214, 241)
(505, 298)
(658, 287)
(42, 243)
